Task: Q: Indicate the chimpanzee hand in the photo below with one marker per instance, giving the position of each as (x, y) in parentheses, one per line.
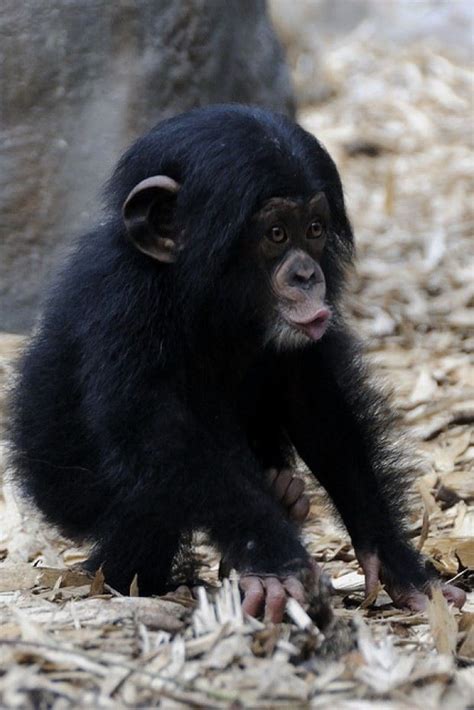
(288, 490)
(269, 593)
(404, 596)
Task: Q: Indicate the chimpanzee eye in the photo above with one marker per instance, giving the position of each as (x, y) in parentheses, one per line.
(315, 230)
(277, 234)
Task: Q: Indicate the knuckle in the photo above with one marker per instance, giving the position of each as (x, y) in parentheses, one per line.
(277, 595)
(271, 475)
(297, 484)
(254, 597)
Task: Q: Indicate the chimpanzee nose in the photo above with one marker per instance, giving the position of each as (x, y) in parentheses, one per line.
(302, 273)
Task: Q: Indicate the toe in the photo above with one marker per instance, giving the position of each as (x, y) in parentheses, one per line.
(293, 492)
(280, 484)
(271, 475)
(454, 595)
(275, 601)
(254, 595)
(299, 511)
(295, 589)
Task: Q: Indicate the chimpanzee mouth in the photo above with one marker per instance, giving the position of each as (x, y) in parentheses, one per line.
(314, 327)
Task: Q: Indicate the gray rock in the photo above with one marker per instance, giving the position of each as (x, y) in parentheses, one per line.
(79, 80)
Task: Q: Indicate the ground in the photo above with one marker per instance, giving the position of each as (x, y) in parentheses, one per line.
(397, 123)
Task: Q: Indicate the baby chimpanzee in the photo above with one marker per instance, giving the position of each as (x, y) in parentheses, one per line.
(192, 342)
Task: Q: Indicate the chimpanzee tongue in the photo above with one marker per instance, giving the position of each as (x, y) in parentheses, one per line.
(316, 326)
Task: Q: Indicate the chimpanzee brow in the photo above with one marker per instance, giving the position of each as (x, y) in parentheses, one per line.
(279, 207)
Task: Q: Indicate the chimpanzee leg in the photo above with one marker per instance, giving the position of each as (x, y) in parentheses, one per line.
(339, 424)
(271, 447)
(133, 546)
(250, 528)
(215, 484)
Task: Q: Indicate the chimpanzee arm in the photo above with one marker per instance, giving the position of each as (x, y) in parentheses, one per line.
(171, 472)
(235, 505)
(341, 426)
(168, 477)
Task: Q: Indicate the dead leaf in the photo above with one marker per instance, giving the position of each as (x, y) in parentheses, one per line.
(461, 482)
(48, 577)
(449, 551)
(134, 592)
(425, 388)
(425, 528)
(466, 626)
(442, 622)
(18, 576)
(428, 499)
(97, 584)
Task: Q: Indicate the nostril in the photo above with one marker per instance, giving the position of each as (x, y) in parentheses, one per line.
(304, 278)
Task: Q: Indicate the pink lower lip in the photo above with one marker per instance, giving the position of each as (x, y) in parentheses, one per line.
(321, 315)
(317, 326)
(316, 329)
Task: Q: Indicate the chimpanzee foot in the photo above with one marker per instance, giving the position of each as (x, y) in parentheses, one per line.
(404, 597)
(289, 491)
(268, 594)
(417, 601)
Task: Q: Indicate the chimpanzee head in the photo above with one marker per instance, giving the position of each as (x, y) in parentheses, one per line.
(291, 235)
(244, 210)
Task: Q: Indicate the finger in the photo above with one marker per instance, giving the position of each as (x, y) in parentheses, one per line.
(293, 492)
(281, 483)
(454, 595)
(295, 589)
(412, 599)
(275, 602)
(254, 595)
(371, 567)
(417, 601)
(270, 475)
(299, 511)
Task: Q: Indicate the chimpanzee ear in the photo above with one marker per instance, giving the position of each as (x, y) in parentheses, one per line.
(149, 217)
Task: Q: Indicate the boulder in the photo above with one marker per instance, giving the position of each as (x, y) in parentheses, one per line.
(80, 80)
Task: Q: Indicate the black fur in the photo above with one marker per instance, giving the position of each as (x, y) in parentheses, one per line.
(148, 404)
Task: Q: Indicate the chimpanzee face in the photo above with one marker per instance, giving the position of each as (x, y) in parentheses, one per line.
(288, 241)
(291, 235)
